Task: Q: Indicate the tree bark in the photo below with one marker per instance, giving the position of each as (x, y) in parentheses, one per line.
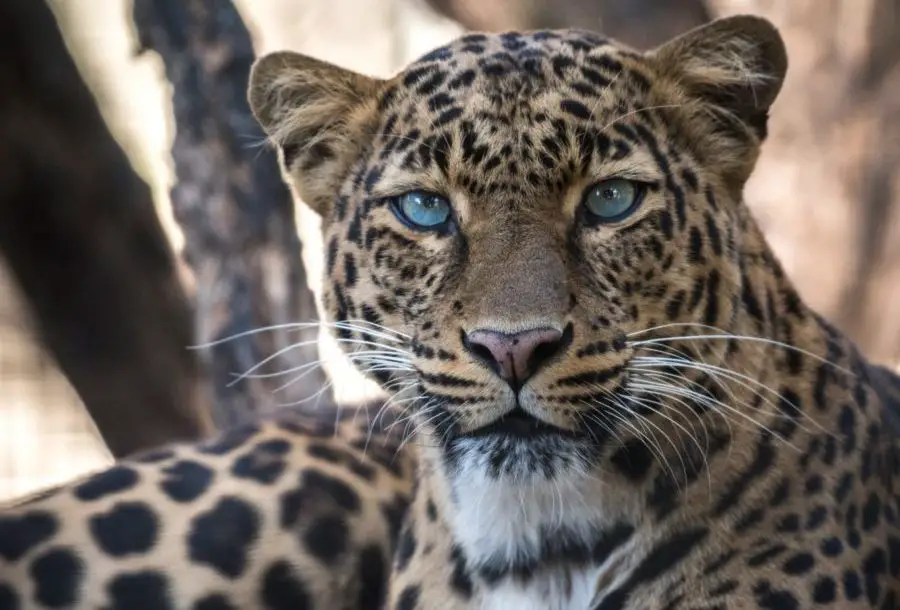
(81, 236)
(234, 208)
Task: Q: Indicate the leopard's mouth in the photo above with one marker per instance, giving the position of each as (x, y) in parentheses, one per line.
(519, 424)
(519, 445)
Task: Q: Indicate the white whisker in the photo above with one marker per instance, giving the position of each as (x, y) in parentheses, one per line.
(380, 330)
(741, 380)
(730, 337)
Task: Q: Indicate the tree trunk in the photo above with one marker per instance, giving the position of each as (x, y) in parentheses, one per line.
(234, 209)
(80, 233)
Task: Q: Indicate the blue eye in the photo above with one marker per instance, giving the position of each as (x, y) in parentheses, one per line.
(422, 210)
(613, 200)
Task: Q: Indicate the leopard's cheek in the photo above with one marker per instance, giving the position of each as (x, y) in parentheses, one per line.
(386, 295)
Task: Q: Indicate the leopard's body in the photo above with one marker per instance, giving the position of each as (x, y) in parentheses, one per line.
(294, 512)
(611, 411)
(622, 401)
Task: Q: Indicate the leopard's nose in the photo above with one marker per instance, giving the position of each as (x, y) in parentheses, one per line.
(515, 357)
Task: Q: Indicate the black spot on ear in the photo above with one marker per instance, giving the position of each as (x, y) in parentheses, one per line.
(111, 481)
(186, 480)
(222, 537)
(291, 150)
(230, 440)
(372, 577)
(57, 576)
(9, 600)
(18, 535)
(216, 601)
(282, 589)
(264, 464)
(146, 590)
(128, 528)
(409, 598)
(326, 538)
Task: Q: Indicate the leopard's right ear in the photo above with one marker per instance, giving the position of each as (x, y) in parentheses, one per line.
(314, 112)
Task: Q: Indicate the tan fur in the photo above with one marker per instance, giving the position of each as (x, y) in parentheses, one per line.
(273, 523)
(750, 413)
(715, 444)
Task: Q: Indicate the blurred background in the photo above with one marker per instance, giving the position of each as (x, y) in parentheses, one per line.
(141, 213)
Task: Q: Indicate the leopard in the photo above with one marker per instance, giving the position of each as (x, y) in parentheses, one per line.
(619, 399)
(297, 509)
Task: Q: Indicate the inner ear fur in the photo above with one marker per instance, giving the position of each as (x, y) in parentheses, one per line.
(735, 64)
(315, 113)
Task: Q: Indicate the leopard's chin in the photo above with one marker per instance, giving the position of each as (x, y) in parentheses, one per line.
(519, 446)
(544, 455)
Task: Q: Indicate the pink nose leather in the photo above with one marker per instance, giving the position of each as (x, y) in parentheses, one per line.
(515, 357)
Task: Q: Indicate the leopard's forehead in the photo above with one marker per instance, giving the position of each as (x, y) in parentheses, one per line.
(478, 72)
(523, 58)
(514, 111)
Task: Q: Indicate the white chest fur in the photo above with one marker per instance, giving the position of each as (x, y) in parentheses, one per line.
(506, 521)
(497, 518)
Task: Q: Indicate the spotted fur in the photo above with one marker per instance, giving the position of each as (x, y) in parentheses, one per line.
(696, 437)
(293, 512)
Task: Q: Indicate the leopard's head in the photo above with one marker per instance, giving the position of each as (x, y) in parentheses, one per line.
(506, 215)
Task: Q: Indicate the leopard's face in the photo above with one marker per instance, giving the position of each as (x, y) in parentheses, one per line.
(512, 212)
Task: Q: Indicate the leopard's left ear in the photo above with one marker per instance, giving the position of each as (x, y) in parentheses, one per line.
(315, 112)
(736, 64)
